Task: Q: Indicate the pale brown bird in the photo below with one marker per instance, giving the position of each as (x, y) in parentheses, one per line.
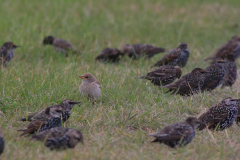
(2, 142)
(177, 134)
(163, 75)
(59, 138)
(7, 53)
(59, 44)
(90, 86)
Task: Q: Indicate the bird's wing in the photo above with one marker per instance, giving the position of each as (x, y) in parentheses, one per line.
(55, 132)
(32, 127)
(60, 43)
(170, 56)
(33, 115)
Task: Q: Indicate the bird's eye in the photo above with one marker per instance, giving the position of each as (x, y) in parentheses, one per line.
(86, 77)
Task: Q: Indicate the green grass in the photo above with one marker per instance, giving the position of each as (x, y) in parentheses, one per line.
(39, 76)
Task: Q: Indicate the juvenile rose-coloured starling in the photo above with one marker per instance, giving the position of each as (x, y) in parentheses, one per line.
(7, 53)
(59, 44)
(215, 75)
(90, 86)
(109, 55)
(188, 84)
(225, 49)
(2, 143)
(163, 75)
(141, 50)
(66, 106)
(177, 134)
(231, 71)
(59, 138)
(220, 116)
(176, 57)
(51, 119)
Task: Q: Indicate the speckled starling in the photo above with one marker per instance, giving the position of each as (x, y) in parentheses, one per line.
(225, 49)
(220, 116)
(109, 55)
(2, 143)
(7, 53)
(51, 118)
(163, 75)
(238, 116)
(188, 84)
(230, 71)
(141, 50)
(60, 44)
(176, 57)
(90, 86)
(65, 106)
(178, 134)
(59, 138)
(215, 75)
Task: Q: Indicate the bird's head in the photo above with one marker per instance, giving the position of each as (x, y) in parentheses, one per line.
(88, 78)
(178, 71)
(68, 104)
(75, 136)
(194, 122)
(10, 45)
(183, 45)
(48, 40)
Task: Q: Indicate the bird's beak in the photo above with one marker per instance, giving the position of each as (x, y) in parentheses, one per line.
(15, 46)
(82, 77)
(74, 102)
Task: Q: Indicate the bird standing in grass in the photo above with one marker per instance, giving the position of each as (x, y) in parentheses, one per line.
(109, 55)
(7, 53)
(176, 57)
(141, 50)
(59, 138)
(59, 44)
(2, 143)
(220, 116)
(188, 84)
(66, 106)
(90, 86)
(177, 134)
(163, 75)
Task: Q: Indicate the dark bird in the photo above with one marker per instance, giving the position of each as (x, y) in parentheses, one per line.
(51, 118)
(7, 53)
(59, 138)
(109, 55)
(215, 75)
(188, 84)
(230, 71)
(177, 134)
(66, 106)
(220, 116)
(236, 52)
(2, 143)
(60, 44)
(163, 75)
(238, 116)
(141, 50)
(228, 47)
(176, 57)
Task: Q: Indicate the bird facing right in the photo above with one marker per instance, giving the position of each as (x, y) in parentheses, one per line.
(90, 86)
(177, 134)
(2, 143)
(59, 138)
(7, 53)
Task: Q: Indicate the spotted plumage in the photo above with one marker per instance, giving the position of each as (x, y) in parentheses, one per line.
(59, 138)
(2, 142)
(7, 53)
(141, 50)
(220, 116)
(176, 57)
(109, 55)
(188, 84)
(177, 134)
(163, 75)
(65, 106)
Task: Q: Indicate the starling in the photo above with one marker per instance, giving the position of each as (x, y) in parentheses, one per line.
(236, 52)
(238, 116)
(225, 49)
(90, 86)
(176, 57)
(141, 50)
(109, 55)
(220, 116)
(188, 84)
(50, 119)
(215, 75)
(163, 75)
(66, 106)
(2, 143)
(231, 71)
(7, 53)
(59, 44)
(59, 138)
(177, 134)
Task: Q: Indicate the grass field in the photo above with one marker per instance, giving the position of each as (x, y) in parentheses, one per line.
(39, 76)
